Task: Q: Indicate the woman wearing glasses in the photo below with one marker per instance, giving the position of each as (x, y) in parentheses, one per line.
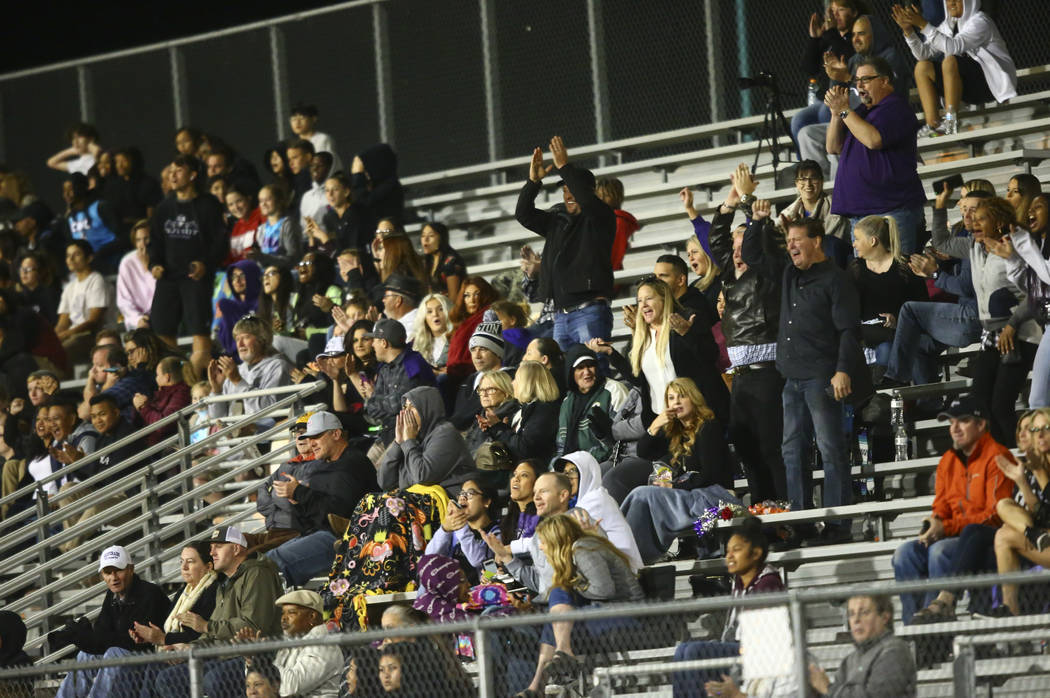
(494, 390)
(459, 536)
(312, 303)
(244, 279)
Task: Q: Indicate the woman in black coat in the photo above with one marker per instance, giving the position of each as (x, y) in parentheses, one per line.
(530, 431)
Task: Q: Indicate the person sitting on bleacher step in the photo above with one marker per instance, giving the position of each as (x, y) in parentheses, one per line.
(261, 367)
(129, 599)
(958, 536)
(746, 552)
(246, 598)
(300, 497)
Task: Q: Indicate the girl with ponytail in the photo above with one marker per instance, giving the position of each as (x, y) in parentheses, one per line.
(884, 282)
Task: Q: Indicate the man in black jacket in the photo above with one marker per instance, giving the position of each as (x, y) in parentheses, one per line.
(128, 600)
(187, 242)
(576, 269)
(819, 355)
(306, 493)
(749, 324)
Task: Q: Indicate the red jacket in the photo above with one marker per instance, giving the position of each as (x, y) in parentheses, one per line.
(459, 361)
(626, 226)
(966, 493)
(167, 400)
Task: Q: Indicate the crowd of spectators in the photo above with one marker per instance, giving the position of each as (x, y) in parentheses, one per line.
(461, 439)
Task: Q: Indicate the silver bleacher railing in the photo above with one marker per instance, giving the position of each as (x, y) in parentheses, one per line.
(49, 572)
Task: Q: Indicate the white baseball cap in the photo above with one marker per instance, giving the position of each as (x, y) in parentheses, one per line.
(333, 347)
(319, 423)
(114, 556)
(229, 534)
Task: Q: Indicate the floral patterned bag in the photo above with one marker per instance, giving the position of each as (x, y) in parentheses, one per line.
(380, 549)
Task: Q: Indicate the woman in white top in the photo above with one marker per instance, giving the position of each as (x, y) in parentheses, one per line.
(662, 350)
(135, 283)
(432, 330)
(80, 156)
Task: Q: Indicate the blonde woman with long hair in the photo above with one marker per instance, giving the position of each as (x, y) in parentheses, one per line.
(884, 283)
(685, 451)
(588, 570)
(662, 349)
(530, 431)
(432, 330)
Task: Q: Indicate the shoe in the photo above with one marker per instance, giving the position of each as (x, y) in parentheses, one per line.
(997, 612)
(563, 668)
(928, 131)
(936, 612)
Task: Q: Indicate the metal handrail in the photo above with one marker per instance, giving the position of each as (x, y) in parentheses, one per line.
(174, 417)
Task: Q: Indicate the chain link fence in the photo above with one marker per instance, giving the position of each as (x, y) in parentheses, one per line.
(450, 84)
(760, 644)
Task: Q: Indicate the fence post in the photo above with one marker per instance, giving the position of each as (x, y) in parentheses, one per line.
(599, 84)
(489, 60)
(279, 70)
(714, 63)
(182, 426)
(42, 510)
(798, 632)
(179, 93)
(964, 669)
(384, 87)
(485, 688)
(196, 680)
(86, 94)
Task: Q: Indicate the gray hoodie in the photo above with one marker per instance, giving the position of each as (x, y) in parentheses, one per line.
(437, 456)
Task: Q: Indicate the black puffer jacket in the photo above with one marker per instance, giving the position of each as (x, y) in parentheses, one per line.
(752, 311)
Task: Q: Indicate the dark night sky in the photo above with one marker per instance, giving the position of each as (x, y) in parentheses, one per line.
(38, 33)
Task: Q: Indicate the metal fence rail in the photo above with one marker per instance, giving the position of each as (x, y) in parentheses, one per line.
(622, 667)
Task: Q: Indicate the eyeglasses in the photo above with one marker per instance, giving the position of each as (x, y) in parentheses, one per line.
(26, 270)
(306, 263)
(488, 391)
(808, 180)
(469, 494)
(865, 79)
(1036, 430)
(271, 272)
(238, 275)
(385, 231)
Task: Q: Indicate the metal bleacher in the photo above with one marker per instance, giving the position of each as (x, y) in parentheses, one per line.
(45, 584)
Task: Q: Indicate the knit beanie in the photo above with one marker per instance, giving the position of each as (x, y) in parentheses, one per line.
(489, 334)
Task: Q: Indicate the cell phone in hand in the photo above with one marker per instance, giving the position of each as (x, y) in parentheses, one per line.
(953, 182)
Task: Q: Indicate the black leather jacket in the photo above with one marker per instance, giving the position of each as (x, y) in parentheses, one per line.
(752, 309)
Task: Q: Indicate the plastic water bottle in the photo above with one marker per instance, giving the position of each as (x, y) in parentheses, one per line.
(896, 409)
(900, 443)
(867, 468)
(812, 91)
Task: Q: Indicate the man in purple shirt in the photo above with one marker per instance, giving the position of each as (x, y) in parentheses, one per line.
(877, 151)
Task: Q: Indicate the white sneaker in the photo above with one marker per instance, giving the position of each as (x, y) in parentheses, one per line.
(928, 131)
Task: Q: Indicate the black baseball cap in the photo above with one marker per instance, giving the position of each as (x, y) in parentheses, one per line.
(404, 285)
(390, 330)
(585, 173)
(965, 406)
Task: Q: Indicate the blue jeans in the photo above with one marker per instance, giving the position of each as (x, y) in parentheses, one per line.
(924, 330)
(809, 410)
(223, 678)
(301, 559)
(807, 116)
(97, 683)
(690, 684)
(910, 223)
(913, 560)
(581, 325)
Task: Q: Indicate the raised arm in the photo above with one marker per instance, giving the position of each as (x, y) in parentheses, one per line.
(526, 212)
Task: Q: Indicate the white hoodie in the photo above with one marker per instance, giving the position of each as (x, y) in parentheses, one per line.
(596, 501)
(979, 38)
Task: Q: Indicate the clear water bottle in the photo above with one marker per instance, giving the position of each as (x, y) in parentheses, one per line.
(896, 409)
(867, 468)
(900, 443)
(812, 91)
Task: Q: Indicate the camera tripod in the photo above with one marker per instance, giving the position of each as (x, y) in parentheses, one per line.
(774, 126)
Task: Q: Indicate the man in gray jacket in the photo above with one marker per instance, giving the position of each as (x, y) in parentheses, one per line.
(262, 367)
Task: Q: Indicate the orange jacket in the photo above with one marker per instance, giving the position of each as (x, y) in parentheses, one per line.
(966, 493)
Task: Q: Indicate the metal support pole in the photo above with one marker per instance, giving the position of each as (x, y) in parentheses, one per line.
(183, 427)
(485, 687)
(3, 139)
(44, 578)
(196, 682)
(489, 58)
(714, 64)
(179, 94)
(743, 60)
(384, 86)
(86, 94)
(599, 85)
(964, 670)
(279, 70)
(798, 632)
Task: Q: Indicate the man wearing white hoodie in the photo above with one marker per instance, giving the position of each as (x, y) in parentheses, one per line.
(975, 65)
